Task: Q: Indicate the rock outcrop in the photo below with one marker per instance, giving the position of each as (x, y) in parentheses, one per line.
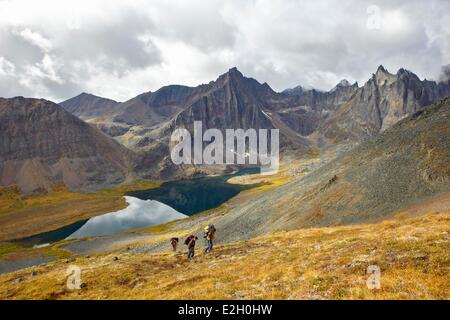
(383, 100)
(42, 144)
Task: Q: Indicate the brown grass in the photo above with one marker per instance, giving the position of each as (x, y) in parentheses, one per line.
(316, 263)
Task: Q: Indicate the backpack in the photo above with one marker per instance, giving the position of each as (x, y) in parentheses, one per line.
(188, 239)
(211, 229)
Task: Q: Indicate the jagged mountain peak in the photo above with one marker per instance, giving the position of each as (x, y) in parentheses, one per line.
(231, 74)
(85, 94)
(238, 80)
(382, 72)
(404, 71)
(384, 100)
(381, 69)
(297, 90)
(382, 76)
(343, 83)
(406, 74)
(234, 70)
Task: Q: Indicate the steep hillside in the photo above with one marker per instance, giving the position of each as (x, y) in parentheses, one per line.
(42, 144)
(152, 108)
(88, 106)
(96, 110)
(406, 164)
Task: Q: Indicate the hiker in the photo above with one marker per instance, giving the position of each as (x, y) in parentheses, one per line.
(190, 242)
(174, 243)
(209, 232)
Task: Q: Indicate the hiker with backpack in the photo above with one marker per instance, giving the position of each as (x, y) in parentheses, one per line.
(174, 243)
(190, 242)
(209, 232)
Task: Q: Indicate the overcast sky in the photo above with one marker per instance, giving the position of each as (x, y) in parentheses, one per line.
(118, 49)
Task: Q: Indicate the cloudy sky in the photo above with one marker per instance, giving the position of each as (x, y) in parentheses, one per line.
(118, 49)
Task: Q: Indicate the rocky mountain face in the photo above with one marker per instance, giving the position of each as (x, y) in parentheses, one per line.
(152, 108)
(317, 99)
(231, 102)
(305, 117)
(309, 108)
(383, 100)
(95, 110)
(42, 144)
(88, 106)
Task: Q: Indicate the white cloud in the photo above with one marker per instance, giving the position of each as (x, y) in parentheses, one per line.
(7, 68)
(36, 39)
(120, 48)
(47, 69)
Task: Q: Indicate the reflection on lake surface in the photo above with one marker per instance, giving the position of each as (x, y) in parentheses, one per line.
(138, 214)
(170, 201)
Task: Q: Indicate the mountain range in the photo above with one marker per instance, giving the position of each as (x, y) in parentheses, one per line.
(90, 142)
(347, 112)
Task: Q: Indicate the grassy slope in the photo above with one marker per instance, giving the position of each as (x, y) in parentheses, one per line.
(22, 216)
(413, 254)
